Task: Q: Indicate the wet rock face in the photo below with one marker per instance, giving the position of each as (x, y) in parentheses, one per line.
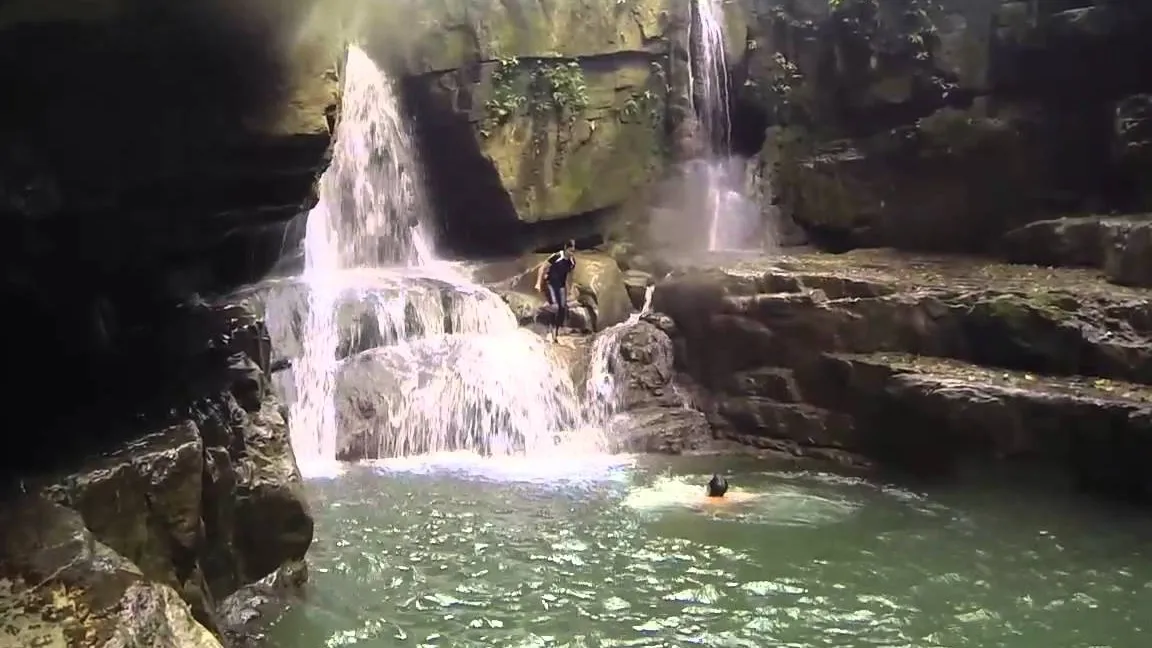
(195, 503)
(61, 586)
(532, 111)
(653, 414)
(165, 158)
(939, 126)
(922, 362)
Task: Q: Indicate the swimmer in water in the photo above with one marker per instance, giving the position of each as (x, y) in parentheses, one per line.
(718, 495)
(717, 486)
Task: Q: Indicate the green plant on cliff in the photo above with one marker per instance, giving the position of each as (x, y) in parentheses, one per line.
(507, 95)
(557, 88)
(643, 105)
(565, 88)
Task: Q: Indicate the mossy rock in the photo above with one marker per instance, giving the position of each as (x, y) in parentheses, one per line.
(447, 34)
(954, 181)
(560, 155)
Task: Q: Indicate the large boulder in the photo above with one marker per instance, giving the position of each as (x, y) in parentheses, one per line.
(61, 586)
(597, 283)
(632, 384)
(1119, 245)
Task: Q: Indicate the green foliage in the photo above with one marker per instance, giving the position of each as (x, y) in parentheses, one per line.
(565, 87)
(507, 96)
(539, 87)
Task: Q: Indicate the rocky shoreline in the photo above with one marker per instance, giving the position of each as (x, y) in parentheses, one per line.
(920, 362)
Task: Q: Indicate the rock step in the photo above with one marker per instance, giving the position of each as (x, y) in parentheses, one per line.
(1119, 245)
(783, 313)
(929, 414)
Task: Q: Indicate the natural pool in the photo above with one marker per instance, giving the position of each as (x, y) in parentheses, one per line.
(602, 552)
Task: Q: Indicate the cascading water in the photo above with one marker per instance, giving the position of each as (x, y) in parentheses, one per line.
(603, 395)
(398, 353)
(733, 219)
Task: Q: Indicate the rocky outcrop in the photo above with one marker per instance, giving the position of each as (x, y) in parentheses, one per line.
(148, 154)
(600, 295)
(190, 507)
(532, 111)
(1120, 245)
(60, 586)
(921, 362)
(939, 126)
(652, 414)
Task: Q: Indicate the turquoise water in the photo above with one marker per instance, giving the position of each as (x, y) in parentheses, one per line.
(615, 553)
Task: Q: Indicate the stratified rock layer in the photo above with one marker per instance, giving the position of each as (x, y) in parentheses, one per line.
(923, 362)
(204, 501)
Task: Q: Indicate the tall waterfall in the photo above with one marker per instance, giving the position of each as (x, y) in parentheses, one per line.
(399, 354)
(734, 221)
(710, 77)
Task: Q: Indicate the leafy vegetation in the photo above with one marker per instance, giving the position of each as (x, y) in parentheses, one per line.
(538, 87)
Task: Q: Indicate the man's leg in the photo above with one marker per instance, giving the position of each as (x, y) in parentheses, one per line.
(561, 307)
(554, 300)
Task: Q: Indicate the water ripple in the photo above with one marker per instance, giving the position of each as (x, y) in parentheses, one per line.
(494, 558)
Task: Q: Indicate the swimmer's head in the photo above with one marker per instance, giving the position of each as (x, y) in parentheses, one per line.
(717, 486)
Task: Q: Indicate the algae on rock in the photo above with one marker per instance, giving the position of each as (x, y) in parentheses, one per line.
(573, 140)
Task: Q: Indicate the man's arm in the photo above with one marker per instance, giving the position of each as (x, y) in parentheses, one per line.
(540, 273)
(568, 283)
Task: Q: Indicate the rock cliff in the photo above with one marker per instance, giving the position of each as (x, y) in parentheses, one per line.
(942, 125)
(531, 111)
(150, 155)
(140, 544)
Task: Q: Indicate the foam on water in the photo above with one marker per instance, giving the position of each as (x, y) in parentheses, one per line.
(556, 465)
(781, 504)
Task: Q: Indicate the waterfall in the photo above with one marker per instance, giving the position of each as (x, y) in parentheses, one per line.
(400, 354)
(603, 392)
(710, 77)
(734, 220)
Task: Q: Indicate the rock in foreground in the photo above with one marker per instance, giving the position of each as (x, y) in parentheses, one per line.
(192, 507)
(60, 586)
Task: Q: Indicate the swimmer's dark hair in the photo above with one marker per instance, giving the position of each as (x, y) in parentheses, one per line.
(570, 244)
(717, 486)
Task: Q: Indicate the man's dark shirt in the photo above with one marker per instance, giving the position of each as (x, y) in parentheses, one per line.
(558, 269)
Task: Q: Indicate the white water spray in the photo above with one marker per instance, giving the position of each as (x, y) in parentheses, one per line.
(433, 361)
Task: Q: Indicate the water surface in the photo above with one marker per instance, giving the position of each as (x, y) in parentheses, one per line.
(605, 553)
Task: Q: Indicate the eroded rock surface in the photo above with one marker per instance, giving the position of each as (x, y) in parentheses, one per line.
(961, 358)
(1119, 245)
(193, 507)
(61, 587)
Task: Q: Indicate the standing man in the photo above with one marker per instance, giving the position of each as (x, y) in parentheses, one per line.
(554, 279)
